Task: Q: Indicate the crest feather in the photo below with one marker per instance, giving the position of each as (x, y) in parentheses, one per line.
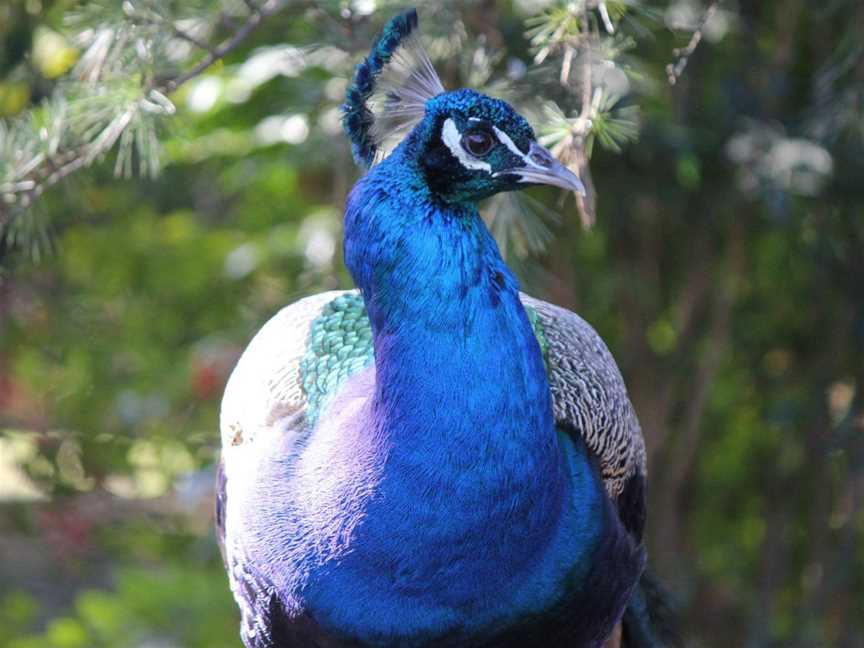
(389, 92)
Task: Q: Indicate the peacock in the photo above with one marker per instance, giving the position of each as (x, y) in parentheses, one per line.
(434, 459)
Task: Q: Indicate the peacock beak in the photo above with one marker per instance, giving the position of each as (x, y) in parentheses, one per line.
(541, 167)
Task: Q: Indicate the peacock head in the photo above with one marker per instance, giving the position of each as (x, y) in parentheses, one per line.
(466, 145)
(470, 146)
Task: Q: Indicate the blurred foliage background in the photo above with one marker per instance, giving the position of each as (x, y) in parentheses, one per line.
(725, 271)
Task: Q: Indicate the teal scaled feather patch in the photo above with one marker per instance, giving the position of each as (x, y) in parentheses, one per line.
(539, 333)
(340, 345)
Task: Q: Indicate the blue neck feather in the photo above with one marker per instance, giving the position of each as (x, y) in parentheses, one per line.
(460, 376)
(483, 512)
(475, 471)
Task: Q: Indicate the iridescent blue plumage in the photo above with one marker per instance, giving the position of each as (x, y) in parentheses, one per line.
(463, 394)
(459, 490)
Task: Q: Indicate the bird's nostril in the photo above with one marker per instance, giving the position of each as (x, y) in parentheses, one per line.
(539, 158)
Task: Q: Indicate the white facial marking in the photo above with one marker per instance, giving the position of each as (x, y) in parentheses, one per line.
(452, 140)
(504, 138)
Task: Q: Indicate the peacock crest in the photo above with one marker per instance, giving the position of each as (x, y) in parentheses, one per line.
(388, 94)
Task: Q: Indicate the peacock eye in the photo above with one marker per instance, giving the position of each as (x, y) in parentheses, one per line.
(477, 143)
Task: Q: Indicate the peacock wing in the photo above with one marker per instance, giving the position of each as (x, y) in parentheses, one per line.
(286, 373)
(305, 353)
(589, 395)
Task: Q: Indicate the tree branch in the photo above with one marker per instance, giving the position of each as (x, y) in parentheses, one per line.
(21, 192)
(189, 38)
(256, 17)
(676, 69)
(585, 204)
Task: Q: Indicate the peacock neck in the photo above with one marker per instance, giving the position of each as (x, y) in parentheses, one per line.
(461, 399)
